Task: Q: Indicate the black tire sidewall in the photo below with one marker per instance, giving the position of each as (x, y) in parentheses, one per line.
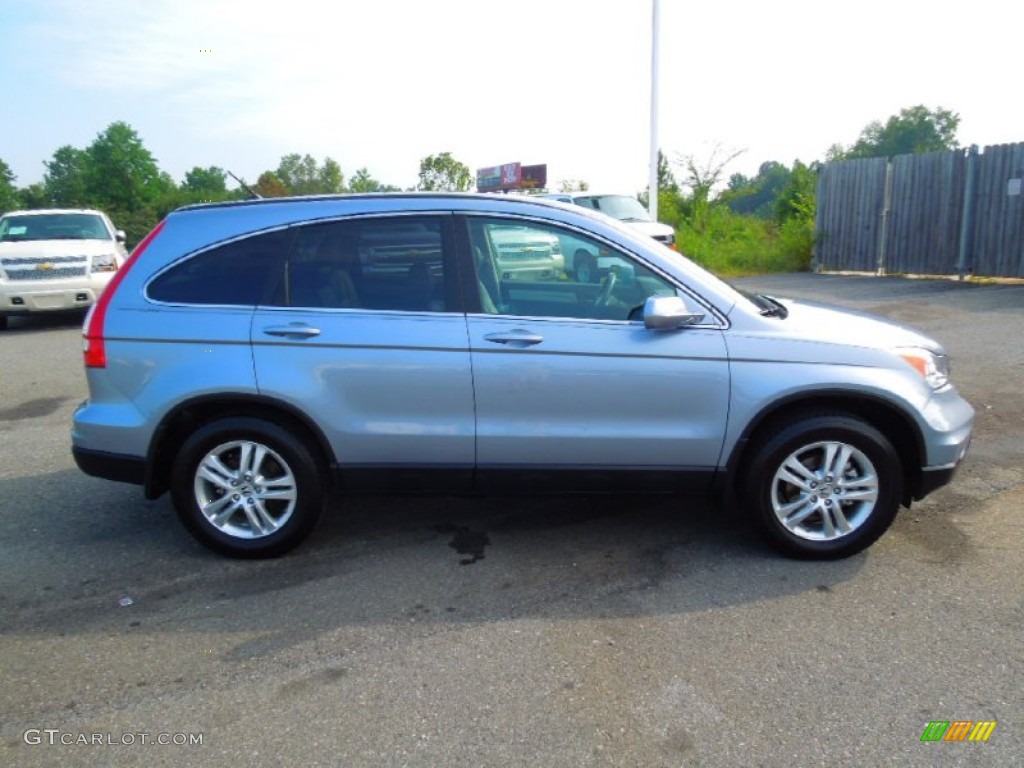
(847, 429)
(294, 452)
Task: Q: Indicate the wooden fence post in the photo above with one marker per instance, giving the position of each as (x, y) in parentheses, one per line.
(883, 230)
(965, 256)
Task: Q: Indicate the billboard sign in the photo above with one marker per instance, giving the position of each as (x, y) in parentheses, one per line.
(502, 178)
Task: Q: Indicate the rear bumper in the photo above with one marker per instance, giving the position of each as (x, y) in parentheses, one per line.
(110, 466)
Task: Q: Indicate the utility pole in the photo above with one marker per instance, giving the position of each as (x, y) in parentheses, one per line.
(652, 188)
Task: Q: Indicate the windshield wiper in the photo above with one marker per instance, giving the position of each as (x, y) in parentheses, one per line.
(776, 308)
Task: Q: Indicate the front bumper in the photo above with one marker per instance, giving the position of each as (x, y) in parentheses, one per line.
(25, 297)
(951, 420)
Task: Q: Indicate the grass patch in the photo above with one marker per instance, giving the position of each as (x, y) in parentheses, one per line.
(732, 245)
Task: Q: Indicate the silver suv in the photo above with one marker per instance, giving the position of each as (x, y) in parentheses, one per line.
(250, 357)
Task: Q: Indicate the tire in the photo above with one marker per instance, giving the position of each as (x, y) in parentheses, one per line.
(210, 485)
(3, 322)
(792, 494)
(584, 267)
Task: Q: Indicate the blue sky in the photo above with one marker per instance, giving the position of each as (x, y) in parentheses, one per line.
(382, 84)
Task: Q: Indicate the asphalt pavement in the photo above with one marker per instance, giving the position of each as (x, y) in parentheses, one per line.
(588, 631)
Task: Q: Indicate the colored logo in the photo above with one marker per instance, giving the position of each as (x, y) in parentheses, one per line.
(958, 730)
(46, 266)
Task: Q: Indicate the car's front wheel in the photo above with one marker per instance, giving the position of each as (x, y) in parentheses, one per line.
(247, 487)
(823, 486)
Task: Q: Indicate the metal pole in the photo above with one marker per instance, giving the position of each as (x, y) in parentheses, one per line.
(652, 187)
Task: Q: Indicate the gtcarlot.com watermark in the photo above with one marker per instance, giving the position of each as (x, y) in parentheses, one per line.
(55, 736)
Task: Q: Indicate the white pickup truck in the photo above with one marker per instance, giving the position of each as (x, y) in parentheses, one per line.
(55, 260)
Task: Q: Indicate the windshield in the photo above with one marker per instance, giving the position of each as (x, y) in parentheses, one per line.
(53, 226)
(622, 207)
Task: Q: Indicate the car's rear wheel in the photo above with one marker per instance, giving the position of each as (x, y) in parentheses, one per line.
(823, 485)
(3, 322)
(247, 487)
(584, 267)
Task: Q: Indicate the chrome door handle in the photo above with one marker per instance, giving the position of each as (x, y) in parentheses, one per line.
(300, 330)
(515, 338)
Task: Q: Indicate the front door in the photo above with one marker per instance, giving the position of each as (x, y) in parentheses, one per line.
(571, 386)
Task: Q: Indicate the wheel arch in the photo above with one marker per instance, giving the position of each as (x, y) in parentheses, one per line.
(888, 418)
(184, 418)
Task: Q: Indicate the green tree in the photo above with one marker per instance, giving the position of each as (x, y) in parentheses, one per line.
(33, 196)
(301, 175)
(914, 130)
(362, 181)
(8, 194)
(666, 179)
(669, 198)
(330, 178)
(65, 180)
(205, 184)
(268, 185)
(757, 195)
(701, 178)
(797, 199)
(121, 174)
(443, 173)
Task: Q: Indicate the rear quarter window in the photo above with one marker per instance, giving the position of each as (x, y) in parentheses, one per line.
(243, 273)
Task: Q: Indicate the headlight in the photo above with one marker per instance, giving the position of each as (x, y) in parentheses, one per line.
(934, 369)
(106, 262)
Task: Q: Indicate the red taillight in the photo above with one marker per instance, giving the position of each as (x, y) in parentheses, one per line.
(93, 348)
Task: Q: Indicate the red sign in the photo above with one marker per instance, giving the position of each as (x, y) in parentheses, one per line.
(511, 174)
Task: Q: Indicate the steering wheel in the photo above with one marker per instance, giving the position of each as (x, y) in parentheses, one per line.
(606, 290)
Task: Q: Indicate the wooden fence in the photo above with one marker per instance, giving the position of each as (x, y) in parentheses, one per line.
(942, 213)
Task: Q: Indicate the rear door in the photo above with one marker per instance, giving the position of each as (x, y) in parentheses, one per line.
(367, 335)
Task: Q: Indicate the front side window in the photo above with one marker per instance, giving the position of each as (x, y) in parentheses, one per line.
(241, 273)
(533, 270)
(394, 264)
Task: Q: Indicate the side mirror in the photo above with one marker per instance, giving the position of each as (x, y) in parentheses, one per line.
(119, 236)
(667, 313)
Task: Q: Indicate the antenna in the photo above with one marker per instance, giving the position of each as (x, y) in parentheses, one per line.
(253, 194)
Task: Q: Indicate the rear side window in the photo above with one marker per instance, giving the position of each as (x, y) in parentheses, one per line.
(244, 273)
(397, 264)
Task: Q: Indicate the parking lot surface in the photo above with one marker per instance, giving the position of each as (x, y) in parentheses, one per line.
(584, 631)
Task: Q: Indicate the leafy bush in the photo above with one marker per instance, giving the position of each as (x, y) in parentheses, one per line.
(732, 244)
